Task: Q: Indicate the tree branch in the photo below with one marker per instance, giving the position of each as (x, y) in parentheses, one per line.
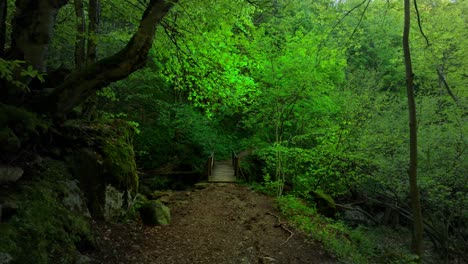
(81, 84)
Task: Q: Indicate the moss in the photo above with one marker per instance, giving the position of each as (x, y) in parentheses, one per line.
(17, 125)
(325, 203)
(8, 140)
(14, 116)
(104, 157)
(119, 160)
(155, 213)
(43, 229)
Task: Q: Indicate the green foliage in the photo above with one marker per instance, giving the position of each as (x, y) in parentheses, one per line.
(134, 206)
(207, 65)
(18, 125)
(355, 246)
(346, 244)
(43, 229)
(9, 71)
(315, 89)
(268, 186)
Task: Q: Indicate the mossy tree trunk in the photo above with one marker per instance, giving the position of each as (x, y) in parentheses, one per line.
(33, 26)
(32, 31)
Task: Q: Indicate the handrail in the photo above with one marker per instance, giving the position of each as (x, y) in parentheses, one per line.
(210, 164)
(235, 163)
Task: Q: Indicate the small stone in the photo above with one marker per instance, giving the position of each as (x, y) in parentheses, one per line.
(267, 260)
(136, 247)
(82, 259)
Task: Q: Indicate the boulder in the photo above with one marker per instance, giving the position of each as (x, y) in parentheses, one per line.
(155, 213)
(5, 258)
(103, 155)
(356, 216)
(73, 198)
(10, 174)
(113, 203)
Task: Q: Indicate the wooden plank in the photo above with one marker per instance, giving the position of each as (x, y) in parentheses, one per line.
(222, 172)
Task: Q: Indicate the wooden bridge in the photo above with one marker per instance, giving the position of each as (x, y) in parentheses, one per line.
(223, 171)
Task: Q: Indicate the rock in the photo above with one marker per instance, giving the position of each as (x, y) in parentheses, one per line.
(5, 258)
(113, 203)
(356, 217)
(155, 213)
(74, 199)
(82, 259)
(10, 174)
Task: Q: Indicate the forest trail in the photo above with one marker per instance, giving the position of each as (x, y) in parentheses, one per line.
(222, 172)
(221, 223)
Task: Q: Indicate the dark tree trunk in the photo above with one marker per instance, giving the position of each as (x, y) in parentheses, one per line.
(82, 84)
(94, 15)
(80, 35)
(3, 17)
(32, 30)
(416, 243)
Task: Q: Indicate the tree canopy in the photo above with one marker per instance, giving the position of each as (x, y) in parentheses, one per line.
(314, 90)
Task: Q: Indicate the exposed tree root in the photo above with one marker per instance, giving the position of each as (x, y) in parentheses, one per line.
(283, 226)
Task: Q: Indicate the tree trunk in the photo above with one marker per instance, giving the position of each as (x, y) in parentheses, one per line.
(80, 35)
(82, 84)
(94, 15)
(3, 17)
(32, 30)
(416, 243)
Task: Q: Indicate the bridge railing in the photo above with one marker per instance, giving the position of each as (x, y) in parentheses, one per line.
(235, 163)
(210, 164)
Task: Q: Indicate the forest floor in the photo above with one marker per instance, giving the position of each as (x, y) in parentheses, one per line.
(219, 224)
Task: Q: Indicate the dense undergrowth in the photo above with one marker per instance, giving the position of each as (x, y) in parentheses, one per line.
(50, 225)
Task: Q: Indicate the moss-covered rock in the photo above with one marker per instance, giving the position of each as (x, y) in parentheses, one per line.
(45, 229)
(105, 157)
(155, 213)
(324, 203)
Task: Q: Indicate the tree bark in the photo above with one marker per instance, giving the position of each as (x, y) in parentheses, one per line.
(416, 243)
(3, 17)
(82, 84)
(32, 30)
(80, 35)
(94, 15)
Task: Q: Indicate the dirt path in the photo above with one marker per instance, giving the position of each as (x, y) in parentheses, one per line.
(223, 223)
